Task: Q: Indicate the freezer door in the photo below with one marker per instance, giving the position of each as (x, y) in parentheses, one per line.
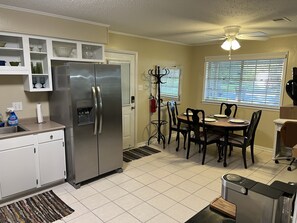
(84, 141)
(108, 82)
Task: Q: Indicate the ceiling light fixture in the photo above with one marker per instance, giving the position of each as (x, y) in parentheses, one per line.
(230, 43)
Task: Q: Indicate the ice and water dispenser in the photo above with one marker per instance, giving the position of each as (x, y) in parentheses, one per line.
(257, 202)
(84, 112)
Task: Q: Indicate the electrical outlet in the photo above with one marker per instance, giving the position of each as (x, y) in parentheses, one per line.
(17, 106)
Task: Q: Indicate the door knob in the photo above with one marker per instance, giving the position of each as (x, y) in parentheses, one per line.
(132, 108)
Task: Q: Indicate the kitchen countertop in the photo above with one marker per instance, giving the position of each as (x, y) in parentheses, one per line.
(33, 127)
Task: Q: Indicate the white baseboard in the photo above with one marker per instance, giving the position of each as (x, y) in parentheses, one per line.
(266, 149)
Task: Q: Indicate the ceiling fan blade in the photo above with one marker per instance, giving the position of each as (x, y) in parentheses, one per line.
(258, 33)
(217, 38)
(246, 37)
(252, 36)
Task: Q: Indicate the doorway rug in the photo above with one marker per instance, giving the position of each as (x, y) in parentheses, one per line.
(138, 153)
(46, 208)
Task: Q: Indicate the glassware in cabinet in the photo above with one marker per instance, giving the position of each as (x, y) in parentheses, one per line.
(40, 82)
(92, 51)
(37, 46)
(40, 75)
(64, 49)
(12, 54)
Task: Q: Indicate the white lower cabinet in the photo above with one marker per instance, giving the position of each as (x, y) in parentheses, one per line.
(31, 161)
(17, 170)
(51, 157)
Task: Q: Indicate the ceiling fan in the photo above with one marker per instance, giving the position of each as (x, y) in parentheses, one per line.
(232, 35)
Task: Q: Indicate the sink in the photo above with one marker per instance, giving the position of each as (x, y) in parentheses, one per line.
(12, 129)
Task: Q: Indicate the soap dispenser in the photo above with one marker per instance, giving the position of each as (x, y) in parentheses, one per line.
(2, 123)
(12, 118)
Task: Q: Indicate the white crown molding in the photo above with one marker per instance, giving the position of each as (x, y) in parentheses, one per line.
(149, 38)
(52, 15)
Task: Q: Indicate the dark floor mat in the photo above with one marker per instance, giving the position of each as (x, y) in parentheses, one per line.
(138, 153)
(147, 148)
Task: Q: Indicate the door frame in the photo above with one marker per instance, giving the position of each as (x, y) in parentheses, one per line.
(135, 55)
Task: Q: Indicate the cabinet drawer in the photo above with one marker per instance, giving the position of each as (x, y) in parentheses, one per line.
(50, 136)
(17, 142)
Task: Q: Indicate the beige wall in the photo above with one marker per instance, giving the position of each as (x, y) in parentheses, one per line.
(44, 25)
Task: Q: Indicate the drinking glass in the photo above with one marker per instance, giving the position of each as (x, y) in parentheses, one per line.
(34, 81)
(42, 81)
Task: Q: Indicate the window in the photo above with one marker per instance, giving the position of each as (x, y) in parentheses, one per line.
(253, 80)
(170, 88)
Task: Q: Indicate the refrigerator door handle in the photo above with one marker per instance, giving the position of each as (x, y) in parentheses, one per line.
(100, 108)
(96, 110)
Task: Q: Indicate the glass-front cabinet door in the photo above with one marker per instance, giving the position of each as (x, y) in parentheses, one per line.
(40, 73)
(92, 52)
(12, 55)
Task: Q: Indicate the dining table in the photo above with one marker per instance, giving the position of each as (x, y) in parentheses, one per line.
(220, 123)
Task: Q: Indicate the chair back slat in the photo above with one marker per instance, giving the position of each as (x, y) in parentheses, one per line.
(228, 109)
(250, 134)
(172, 112)
(198, 124)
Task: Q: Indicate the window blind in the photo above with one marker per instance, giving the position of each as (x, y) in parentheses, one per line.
(170, 87)
(252, 82)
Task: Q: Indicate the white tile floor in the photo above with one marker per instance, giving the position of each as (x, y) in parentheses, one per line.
(164, 187)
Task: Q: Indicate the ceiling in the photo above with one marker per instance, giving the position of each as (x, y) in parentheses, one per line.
(191, 22)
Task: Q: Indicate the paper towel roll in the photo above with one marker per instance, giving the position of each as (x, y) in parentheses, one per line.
(39, 113)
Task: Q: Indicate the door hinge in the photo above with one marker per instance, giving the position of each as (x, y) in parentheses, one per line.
(65, 174)
(63, 144)
(34, 150)
(36, 181)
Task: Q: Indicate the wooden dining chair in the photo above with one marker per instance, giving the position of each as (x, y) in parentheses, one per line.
(172, 114)
(228, 109)
(198, 131)
(288, 137)
(248, 139)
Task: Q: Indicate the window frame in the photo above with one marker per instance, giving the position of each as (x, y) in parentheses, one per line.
(259, 56)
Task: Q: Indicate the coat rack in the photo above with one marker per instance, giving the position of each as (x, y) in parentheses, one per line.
(156, 73)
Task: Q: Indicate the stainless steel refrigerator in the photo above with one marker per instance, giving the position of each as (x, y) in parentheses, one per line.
(86, 98)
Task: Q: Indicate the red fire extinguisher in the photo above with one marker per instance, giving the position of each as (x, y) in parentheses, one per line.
(153, 104)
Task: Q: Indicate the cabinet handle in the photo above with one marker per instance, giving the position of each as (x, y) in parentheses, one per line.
(51, 137)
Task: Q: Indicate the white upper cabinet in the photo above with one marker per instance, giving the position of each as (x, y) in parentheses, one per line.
(76, 51)
(31, 56)
(39, 78)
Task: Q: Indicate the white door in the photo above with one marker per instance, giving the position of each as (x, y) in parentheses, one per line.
(128, 67)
